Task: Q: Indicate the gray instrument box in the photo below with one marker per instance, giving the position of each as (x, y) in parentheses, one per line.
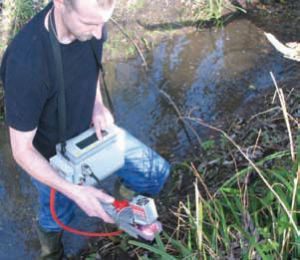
(87, 156)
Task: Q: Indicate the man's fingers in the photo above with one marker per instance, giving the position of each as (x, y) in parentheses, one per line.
(97, 127)
(105, 198)
(89, 199)
(109, 119)
(96, 210)
(104, 215)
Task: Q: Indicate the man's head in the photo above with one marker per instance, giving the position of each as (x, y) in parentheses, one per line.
(84, 19)
(105, 4)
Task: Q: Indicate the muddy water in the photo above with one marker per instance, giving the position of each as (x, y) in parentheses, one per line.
(208, 74)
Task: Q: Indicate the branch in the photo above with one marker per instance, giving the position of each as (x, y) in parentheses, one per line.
(288, 52)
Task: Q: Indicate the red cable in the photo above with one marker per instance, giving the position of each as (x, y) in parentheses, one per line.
(73, 230)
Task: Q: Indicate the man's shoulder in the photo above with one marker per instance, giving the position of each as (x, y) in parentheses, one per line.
(28, 52)
(30, 40)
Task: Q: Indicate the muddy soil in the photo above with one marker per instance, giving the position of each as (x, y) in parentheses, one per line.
(282, 20)
(140, 24)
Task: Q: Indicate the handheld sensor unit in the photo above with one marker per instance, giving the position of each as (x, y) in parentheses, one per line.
(88, 159)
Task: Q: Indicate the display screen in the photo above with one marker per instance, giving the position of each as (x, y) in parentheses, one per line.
(89, 140)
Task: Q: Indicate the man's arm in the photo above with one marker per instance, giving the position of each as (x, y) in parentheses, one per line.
(87, 198)
(102, 117)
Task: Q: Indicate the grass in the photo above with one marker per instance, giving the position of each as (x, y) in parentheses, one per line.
(209, 10)
(239, 220)
(252, 215)
(136, 5)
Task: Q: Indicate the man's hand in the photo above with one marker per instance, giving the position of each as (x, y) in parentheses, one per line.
(101, 119)
(89, 198)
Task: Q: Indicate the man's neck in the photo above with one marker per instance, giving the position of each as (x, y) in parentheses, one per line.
(62, 33)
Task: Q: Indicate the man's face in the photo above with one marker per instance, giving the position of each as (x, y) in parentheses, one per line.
(86, 19)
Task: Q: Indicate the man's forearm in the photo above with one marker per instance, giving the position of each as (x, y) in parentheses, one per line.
(39, 168)
(98, 98)
(87, 198)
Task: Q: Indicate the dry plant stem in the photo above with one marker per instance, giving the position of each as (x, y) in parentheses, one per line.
(244, 192)
(178, 223)
(285, 114)
(180, 117)
(206, 189)
(264, 112)
(294, 120)
(199, 221)
(188, 212)
(135, 45)
(256, 142)
(245, 199)
(288, 52)
(254, 166)
(198, 176)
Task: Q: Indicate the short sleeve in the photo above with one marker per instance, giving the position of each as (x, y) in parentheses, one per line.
(97, 45)
(25, 94)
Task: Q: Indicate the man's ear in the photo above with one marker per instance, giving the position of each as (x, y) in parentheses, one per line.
(58, 3)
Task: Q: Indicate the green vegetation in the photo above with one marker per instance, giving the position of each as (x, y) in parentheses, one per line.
(210, 10)
(234, 201)
(13, 15)
(239, 220)
(253, 213)
(136, 5)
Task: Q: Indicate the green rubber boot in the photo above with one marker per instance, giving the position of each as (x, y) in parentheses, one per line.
(51, 245)
(121, 192)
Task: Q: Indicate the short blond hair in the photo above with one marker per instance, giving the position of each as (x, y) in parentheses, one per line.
(105, 4)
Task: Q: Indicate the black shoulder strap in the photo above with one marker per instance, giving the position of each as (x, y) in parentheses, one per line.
(59, 82)
(95, 49)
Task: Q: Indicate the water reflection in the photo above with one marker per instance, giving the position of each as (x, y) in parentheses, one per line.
(210, 73)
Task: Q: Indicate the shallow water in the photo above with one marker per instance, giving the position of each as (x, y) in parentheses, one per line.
(207, 74)
(210, 75)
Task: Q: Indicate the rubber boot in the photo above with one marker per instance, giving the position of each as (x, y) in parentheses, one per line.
(121, 192)
(51, 245)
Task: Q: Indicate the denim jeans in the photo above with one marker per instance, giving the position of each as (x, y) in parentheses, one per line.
(144, 172)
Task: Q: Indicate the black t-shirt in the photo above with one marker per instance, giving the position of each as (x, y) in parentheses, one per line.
(30, 94)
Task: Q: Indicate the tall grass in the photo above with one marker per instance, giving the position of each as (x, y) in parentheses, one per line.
(210, 10)
(253, 215)
(239, 221)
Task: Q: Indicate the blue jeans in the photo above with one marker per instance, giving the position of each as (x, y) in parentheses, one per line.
(144, 171)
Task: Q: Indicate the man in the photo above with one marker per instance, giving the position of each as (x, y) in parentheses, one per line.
(31, 109)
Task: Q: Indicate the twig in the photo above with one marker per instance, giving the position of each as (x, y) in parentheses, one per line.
(264, 112)
(180, 117)
(256, 142)
(135, 45)
(289, 53)
(201, 181)
(201, 122)
(285, 115)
